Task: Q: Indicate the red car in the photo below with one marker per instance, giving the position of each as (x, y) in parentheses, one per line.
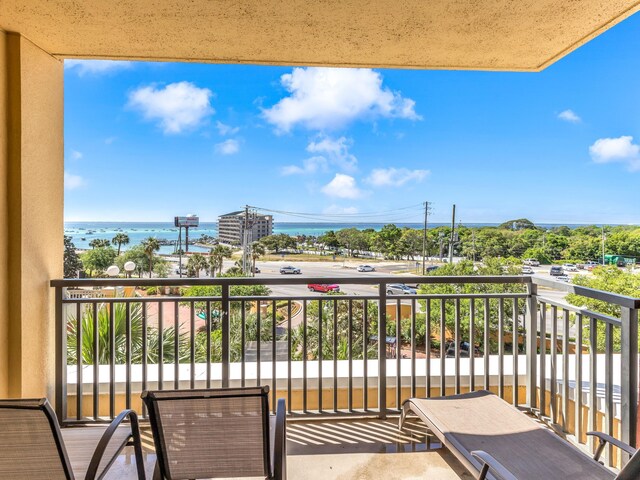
(323, 287)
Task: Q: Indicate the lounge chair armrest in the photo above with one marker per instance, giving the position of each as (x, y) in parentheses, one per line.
(604, 439)
(92, 471)
(280, 442)
(489, 463)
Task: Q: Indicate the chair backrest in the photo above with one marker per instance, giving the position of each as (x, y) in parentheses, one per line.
(30, 442)
(631, 470)
(210, 433)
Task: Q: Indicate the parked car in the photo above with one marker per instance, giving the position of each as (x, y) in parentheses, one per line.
(323, 287)
(431, 268)
(563, 278)
(400, 289)
(532, 262)
(590, 265)
(365, 268)
(556, 270)
(289, 269)
(569, 267)
(527, 270)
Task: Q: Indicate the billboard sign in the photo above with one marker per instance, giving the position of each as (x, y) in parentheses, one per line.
(188, 221)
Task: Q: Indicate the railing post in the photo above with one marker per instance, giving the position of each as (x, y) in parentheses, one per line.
(224, 317)
(531, 326)
(382, 350)
(629, 379)
(61, 358)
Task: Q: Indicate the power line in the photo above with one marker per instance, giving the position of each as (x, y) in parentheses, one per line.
(402, 213)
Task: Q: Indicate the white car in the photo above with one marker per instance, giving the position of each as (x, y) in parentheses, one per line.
(365, 268)
(289, 270)
(569, 267)
(532, 262)
(563, 278)
(400, 289)
(527, 270)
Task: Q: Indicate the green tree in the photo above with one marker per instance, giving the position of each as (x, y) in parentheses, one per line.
(120, 239)
(608, 279)
(519, 224)
(119, 334)
(99, 243)
(137, 255)
(411, 243)
(351, 239)
(150, 245)
(387, 241)
(197, 262)
(216, 258)
(539, 254)
(72, 263)
(329, 240)
(97, 260)
(491, 266)
(257, 250)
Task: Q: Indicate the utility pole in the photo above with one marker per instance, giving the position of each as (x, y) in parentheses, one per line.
(427, 208)
(603, 240)
(453, 230)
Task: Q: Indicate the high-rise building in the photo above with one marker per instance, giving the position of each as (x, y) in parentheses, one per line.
(231, 226)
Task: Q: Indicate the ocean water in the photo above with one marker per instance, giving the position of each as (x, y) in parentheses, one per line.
(82, 233)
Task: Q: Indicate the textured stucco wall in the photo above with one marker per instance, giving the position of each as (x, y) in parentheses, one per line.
(445, 34)
(33, 223)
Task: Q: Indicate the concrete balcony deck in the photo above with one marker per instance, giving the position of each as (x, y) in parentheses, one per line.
(346, 449)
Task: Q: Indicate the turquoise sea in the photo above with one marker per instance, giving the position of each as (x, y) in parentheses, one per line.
(83, 232)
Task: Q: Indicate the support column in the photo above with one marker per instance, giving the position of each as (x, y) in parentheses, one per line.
(31, 214)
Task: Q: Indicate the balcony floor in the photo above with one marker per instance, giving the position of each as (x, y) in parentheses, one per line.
(367, 449)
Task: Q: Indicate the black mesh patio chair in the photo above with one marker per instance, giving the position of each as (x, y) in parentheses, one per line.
(217, 433)
(34, 447)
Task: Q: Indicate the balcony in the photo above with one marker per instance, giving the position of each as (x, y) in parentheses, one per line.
(573, 369)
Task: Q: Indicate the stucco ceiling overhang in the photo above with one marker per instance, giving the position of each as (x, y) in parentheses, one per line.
(512, 35)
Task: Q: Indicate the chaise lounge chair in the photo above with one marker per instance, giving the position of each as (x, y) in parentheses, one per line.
(32, 445)
(217, 433)
(494, 440)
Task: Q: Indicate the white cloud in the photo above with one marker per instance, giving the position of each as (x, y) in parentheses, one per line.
(569, 116)
(330, 98)
(178, 106)
(96, 67)
(342, 186)
(333, 152)
(395, 177)
(76, 155)
(335, 209)
(110, 140)
(621, 150)
(71, 182)
(228, 147)
(309, 166)
(226, 129)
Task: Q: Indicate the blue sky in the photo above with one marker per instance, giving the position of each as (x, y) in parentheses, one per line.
(148, 141)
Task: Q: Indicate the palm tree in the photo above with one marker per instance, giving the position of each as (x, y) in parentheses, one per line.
(120, 239)
(150, 246)
(99, 243)
(197, 262)
(257, 250)
(216, 257)
(119, 333)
